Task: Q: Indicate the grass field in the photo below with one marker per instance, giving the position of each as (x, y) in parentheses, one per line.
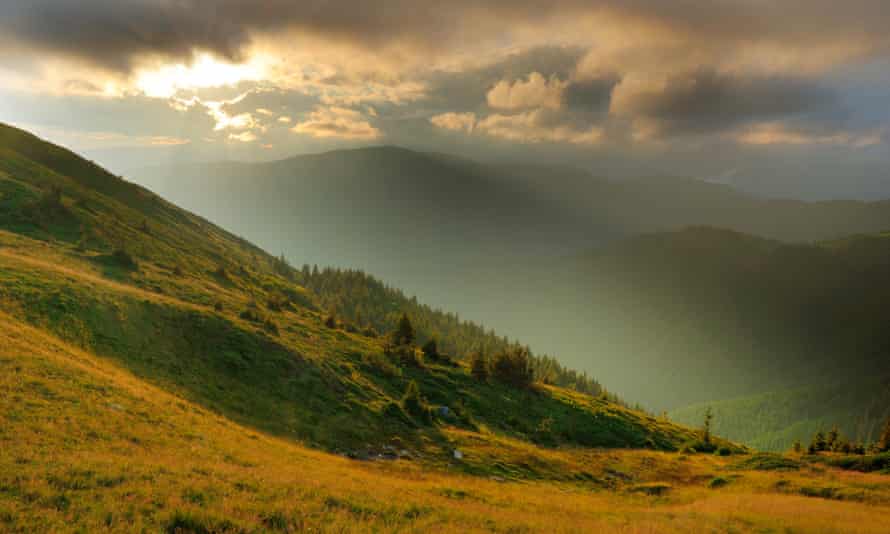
(87, 447)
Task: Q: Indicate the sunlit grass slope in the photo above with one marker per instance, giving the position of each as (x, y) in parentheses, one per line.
(87, 446)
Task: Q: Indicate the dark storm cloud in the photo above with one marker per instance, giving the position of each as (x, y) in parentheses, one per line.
(706, 100)
(589, 95)
(112, 33)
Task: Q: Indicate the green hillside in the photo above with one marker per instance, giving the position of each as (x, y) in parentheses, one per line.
(774, 421)
(116, 270)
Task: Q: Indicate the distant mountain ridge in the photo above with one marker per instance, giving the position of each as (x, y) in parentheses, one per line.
(498, 243)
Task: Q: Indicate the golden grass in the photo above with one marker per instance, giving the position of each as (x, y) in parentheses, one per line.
(84, 445)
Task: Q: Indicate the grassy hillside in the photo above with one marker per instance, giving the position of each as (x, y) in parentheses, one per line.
(88, 446)
(114, 269)
(774, 421)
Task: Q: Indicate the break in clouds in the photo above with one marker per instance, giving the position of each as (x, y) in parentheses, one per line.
(566, 77)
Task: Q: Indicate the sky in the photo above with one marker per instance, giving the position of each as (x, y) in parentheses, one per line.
(783, 98)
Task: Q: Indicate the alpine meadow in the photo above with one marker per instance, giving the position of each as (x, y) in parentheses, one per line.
(513, 267)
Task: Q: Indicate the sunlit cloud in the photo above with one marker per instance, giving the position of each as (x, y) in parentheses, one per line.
(777, 133)
(535, 92)
(337, 123)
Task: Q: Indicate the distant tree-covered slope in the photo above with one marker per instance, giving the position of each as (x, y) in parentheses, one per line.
(365, 302)
(774, 421)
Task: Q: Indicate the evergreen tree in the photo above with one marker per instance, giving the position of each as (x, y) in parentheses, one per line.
(884, 440)
(514, 367)
(430, 349)
(819, 444)
(796, 448)
(479, 366)
(832, 442)
(404, 334)
(706, 427)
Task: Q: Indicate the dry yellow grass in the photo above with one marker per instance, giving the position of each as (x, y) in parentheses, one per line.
(86, 446)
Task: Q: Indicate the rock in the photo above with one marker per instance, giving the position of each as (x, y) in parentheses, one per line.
(458, 455)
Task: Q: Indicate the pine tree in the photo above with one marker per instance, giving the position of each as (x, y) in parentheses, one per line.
(430, 349)
(884, 440)
(819, 444)
(514, 367)
(796, 447)
(479, 366)
(706, 427)
(404, 334)
(832, 442)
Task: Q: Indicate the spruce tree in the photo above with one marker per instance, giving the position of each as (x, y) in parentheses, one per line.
(404, 334)
(479, 366)
(884, 440)
(430, 349)
(706, 428)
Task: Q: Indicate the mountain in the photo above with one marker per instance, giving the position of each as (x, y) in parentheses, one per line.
(498, 243)
(705, 314)
(115, 270)
(160, 374)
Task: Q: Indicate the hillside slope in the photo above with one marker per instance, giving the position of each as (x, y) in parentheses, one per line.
(115, 270)
(88, 446)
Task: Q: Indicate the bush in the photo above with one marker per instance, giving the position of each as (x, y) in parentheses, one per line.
(414, 404)
(717, 482)
(123, 259)
(330, 321)
(407, 355)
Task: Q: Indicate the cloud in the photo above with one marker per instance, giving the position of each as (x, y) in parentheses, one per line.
(95, 140)
(337, 123)
(118, 35)
(538, 126)
(705, 100)
(778, 133)
(536, 92)
(459, 122)
(244, 137)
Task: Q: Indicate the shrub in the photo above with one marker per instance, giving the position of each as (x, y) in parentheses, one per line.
(414, 404)
(123, 259)
(717, 482)
(407, 355)
(330, 321)
(723, 451)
